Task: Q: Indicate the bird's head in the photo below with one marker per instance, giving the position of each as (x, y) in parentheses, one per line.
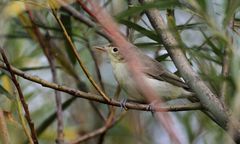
(113, 53)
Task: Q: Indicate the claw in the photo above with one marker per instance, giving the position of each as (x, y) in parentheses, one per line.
(123, 104)
(151, 106)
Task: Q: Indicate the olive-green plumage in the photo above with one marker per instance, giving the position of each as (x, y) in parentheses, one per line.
(166, 84)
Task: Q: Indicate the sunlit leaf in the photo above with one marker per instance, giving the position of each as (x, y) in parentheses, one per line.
(4, 92)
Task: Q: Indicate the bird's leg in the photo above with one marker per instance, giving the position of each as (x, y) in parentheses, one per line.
(152, 105)
(123, 104)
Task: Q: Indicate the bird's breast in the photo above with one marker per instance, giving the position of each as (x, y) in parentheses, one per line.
(125, 80)
(128, 84)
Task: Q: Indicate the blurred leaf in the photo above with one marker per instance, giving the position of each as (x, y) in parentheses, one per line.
(162, 57)
(147, 44)
(140, 8)
(10, 117)
(66, 20)
(193, 26)
(198, 6)
(151, 34)
(231, 8)
(215, 49)
(4, 92)
(203, 5)
(204, 55)
(13, 9)
(26, 22)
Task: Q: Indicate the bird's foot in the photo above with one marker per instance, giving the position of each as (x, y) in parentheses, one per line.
(151, 106)
(123, 104)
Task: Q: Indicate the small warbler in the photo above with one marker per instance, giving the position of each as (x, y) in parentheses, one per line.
(167, 85)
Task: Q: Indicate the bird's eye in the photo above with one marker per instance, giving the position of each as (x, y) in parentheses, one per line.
(115, 50)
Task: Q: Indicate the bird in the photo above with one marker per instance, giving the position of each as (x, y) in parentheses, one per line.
(166, 84)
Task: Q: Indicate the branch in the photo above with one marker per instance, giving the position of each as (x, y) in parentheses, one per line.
(97, 98)
(24, 104)
(22, 120)
(225, 74)
(226, 62)
(101, 130)
(208, 99)
(44, 43)
(94, 58)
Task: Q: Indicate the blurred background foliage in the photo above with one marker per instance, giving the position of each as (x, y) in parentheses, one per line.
(208, 31)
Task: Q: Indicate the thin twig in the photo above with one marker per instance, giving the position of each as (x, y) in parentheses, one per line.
(24, 104)
(22, 120)
(60, 126)
(94, 97)
(74, 49)
(226, 64)
(96, 65)
(99, 79)
(110, 116)
(37, 68)
(51, 60)
(101, 130)
(225, 73)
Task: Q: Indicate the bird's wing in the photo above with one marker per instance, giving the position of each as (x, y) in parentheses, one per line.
(154, 69)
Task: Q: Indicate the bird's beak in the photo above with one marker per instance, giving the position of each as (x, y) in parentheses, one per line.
(100, 48)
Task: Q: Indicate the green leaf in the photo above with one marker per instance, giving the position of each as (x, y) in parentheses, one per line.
(231, 8)
(151, 34)
(162, 57)
(148, 45)
(4, 92)
(140, 8)
(215, 49)
(66, 20)
(191, 26)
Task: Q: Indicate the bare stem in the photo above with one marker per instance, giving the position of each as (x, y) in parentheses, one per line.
(51, 60)
(24, 104)
(22, 120)
(95, 64)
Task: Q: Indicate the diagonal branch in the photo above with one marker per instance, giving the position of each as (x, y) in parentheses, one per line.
(207, 98)
(24, 104)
